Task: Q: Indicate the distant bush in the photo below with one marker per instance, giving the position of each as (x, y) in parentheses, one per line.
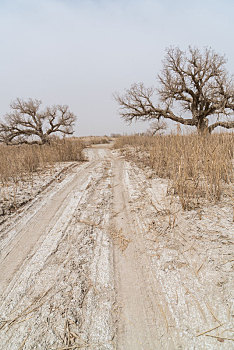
(95, 140)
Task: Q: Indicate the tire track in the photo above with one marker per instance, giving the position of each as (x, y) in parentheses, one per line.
(62, 293)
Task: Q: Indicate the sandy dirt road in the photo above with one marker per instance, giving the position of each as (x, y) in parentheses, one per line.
(104, 260)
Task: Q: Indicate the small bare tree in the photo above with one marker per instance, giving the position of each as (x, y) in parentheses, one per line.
(157, 128)
(26, 121)
(194, 86)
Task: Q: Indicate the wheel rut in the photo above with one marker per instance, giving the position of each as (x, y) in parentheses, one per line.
(142, 321)
(93, 263)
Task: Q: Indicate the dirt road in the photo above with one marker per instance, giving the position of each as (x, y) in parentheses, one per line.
(105, 260)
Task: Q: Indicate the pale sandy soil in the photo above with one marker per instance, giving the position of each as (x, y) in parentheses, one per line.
(104, 259)
(14, 195)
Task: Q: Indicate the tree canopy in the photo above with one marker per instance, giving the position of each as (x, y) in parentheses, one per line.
(194, 89)
(27, 122)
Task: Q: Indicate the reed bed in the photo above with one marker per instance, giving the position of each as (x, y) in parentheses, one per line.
(22, 161)
(95, 140)
(198, 167)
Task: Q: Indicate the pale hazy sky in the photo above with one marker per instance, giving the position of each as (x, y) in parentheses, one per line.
(79, 52)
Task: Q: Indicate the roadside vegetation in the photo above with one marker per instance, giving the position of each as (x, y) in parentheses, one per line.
(199, 168)
(95, 140)
(20, 162)
(30, 143)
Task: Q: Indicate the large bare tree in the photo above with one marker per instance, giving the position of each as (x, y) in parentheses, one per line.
(194, 89)
(27, 122)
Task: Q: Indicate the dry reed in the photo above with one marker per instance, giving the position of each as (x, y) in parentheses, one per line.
(199, 167)
(21, 161)
(95, 140)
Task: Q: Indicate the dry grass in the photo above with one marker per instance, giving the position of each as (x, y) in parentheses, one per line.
(19, 162)
(95, 140)
(198, 167)
(119, 239)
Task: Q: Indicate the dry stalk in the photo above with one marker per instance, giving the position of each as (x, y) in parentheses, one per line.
(198, 304)
(24, 342)
(199, 269)
(27, 310)
(78, 346)
(120, 239)
(212, 312)
(219, 338)
(212, 329)
(164, 316)
(20, 162)
(199, 168)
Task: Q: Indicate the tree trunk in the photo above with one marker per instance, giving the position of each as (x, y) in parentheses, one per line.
(202, 126)
(44, 139)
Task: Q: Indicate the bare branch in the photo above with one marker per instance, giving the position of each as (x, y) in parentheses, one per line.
(137, 104)
(157, 128)
(196, 81)
(227, 125)
(26, 121)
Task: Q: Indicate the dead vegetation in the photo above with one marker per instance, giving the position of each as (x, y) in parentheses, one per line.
(119, 238)
(25, 170)
(199, 168)
(21, 161)
(95, 140)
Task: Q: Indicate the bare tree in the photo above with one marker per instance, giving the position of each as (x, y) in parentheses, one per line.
(157, 128)
(194, 87)
(26, 121)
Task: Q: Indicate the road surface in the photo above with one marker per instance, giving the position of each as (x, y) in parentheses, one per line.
(102, 260)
